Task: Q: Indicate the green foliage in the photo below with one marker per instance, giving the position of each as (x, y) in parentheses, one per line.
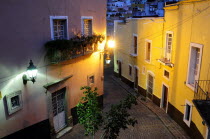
(89, 113)
(119, 118)
(59, 50)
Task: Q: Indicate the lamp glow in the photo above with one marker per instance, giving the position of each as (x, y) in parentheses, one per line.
(30, 74)
(111, 43)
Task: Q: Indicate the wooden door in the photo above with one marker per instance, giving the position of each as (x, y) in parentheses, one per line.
(165, 96)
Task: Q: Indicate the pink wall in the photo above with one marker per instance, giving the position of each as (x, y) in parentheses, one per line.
(25, 28)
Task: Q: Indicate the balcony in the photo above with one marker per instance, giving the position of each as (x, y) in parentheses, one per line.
(165, 62)
(62, 50)
(202, 100)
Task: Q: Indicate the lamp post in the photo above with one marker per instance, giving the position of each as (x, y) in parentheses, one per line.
(31, 73)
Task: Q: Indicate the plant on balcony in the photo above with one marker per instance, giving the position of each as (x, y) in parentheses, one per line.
(60, 50)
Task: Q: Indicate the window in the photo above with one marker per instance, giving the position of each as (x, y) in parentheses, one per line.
(168, 48)
(14, 102)
(135, 45)
(58, 27)
(194, 63)
(87, 25)
(187, 113)
(91, 80)
(148, 50)
(166, 74)
(150, 83)
(130, 70)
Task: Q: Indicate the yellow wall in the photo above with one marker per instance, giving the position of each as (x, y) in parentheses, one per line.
(189, 24)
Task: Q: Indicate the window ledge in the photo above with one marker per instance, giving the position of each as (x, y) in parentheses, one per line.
(134, 55)
(165, 62)
(191, 86)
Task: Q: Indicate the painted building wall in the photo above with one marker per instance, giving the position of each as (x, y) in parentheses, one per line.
(25, 30)
(187, 26)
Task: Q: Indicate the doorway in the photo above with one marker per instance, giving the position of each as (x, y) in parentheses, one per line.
(136, 78)
(120, 68)
(164, 100)
(58, 105)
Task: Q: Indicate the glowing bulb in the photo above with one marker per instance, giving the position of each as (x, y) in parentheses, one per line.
(111, 43)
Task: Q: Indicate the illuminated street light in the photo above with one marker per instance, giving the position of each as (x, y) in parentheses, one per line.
(30, 74)
(111, 43)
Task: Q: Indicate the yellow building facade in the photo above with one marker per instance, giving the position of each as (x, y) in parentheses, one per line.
(166, 60)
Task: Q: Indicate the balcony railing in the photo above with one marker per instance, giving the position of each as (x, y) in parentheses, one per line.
(202, 90)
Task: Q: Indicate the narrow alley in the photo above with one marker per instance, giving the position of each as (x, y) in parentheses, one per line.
(153, 122)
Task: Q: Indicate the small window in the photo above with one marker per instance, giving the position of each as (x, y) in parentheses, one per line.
(150, 83)
(87, 26)
(14, 102)
(58, 27)
(187, 113)
(166, 74)
(194, 64)
(130, 70)
(91, 80)
(168, 48)
(135, 45)
(148, 51)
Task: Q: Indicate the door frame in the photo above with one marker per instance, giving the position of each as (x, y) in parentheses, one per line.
(135, 67)
(207, 132)
(65, 108)
(162, 96)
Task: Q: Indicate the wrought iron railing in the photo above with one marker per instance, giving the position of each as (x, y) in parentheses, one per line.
(202, 90)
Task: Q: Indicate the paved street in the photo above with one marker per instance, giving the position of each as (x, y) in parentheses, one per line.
(153, 122)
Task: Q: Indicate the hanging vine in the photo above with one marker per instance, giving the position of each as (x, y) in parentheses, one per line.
(60, 50)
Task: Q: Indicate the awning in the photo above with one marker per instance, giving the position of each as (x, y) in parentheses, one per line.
(48, 85)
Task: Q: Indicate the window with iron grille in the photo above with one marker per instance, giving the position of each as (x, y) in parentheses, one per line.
(59, 29)
(87, 27)
(150, 84)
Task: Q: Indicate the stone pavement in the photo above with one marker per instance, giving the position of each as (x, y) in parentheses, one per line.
(153, 122)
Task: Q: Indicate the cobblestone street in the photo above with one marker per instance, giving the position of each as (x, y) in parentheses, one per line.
(153, 122)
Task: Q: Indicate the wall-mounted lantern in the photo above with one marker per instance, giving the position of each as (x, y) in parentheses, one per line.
(30, 73)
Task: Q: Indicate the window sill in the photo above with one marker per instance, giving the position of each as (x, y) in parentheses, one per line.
(148, 61)
(191, 86)
(165, 62)
(134, 55)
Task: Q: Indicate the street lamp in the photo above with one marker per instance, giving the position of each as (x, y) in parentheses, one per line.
(31, 73)
(110, 44)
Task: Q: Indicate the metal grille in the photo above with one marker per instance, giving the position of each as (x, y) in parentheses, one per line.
(59, 28)
(88, 27)
(58, 102)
